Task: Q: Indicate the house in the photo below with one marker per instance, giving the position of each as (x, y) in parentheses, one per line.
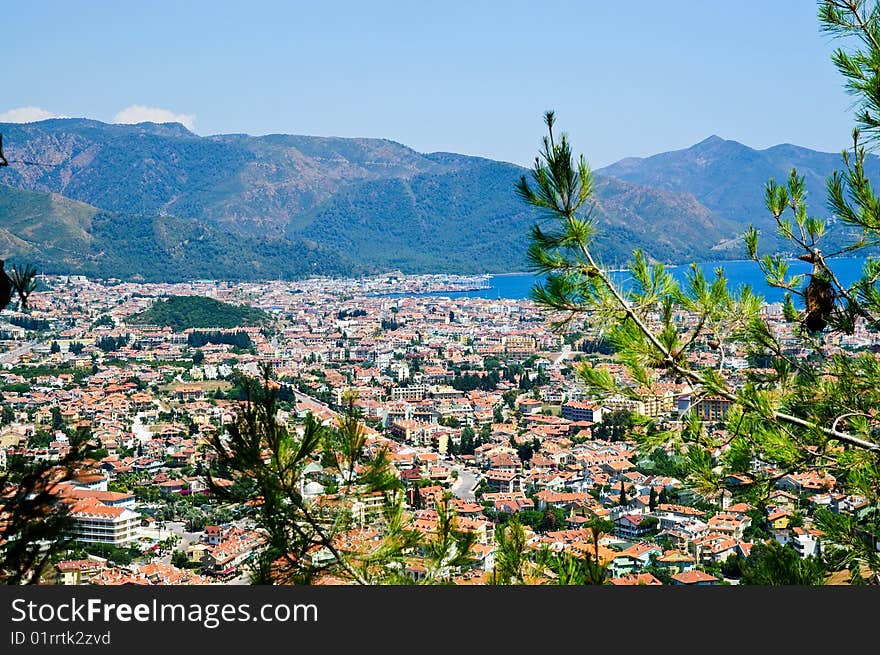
(778, 519)
(530, 406)
(617, 468)
(563, 500)
(93, 481)
(574, 410)
(633, 526)
(843, 504)
(633, 559)
(196, 552)
(643, 552)
(509, 503)
(805, 541)
(715, 547)
(738, 480)
(482, 557)
(77, 571)
(676, 561)
(807, 482)
(172, 487)
(674, 516)
(563, 458)
(95, 522)
(505, 481)
(109, 498)
(730, 523)
(711, 408)
(236, 547)
(505, 462)
(694, 578)
(159, 573)
(189, 392)
(213, 534)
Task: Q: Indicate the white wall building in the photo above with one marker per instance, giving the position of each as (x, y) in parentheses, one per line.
(95, 522)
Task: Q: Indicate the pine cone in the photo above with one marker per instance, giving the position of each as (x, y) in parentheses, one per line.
(819, 298)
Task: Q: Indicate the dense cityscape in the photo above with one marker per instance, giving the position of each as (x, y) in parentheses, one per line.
(382, 323)
(477, 402)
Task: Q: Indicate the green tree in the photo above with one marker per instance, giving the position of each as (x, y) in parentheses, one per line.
(664, 496)
(35, 526)
(597, 527)
(569, 569)
(179, 559)
(511, 553)
(269, 463)
(552, 518)
(497, 415)
(24, 282)
(466, 446)
(808, 413)
(448, 550)
(525, 451)
(8, 414)
(485, 434)
(57, 419)
(615, 425)
(771, 563)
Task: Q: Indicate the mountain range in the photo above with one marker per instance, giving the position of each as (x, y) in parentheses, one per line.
(157, 202)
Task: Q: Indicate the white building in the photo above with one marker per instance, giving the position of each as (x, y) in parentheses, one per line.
(95, 522)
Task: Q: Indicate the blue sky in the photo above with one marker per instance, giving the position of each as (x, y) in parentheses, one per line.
(625, 78)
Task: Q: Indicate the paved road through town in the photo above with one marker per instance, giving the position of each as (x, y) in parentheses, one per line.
(465, 485)
(12, 356)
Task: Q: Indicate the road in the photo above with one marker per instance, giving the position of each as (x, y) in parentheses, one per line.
(141, 431)
(465, 485)
(187, 538)
(172, 528)
(308, 400)
(12, 356)
(566, 351)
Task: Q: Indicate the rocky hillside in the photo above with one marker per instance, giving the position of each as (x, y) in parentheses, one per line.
(159, 202)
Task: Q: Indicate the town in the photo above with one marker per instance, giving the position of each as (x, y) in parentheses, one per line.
(477, 400)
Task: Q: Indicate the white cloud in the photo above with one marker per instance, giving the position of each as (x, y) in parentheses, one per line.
(141, 114)
(27, 115)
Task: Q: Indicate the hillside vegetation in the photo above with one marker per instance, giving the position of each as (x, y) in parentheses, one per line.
(155, 202)
(183, 312)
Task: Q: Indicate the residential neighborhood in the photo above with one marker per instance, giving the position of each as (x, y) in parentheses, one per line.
(477, 402)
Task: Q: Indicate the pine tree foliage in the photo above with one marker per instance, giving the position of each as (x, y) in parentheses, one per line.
(797, 414)
(347, 535)
(34, 525)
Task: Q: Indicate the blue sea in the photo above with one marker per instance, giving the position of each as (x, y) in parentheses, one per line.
(738, 273)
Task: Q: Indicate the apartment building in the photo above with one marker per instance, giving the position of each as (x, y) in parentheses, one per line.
(95, 522)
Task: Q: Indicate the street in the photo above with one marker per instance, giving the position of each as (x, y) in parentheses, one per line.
(12, 356)
(464, 487)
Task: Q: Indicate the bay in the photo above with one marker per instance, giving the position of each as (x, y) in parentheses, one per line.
(738, 273)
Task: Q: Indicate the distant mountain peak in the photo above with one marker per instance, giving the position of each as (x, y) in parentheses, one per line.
(172, 127)
(164, 202)
(72, 124)
(729, 178)
(715, 141)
